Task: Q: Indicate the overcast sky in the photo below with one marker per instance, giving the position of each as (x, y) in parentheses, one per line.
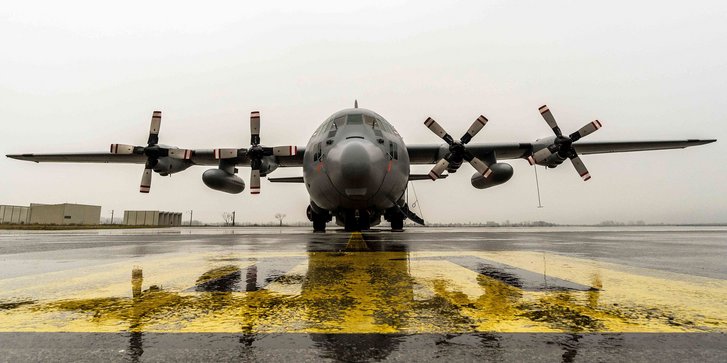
(80, 75)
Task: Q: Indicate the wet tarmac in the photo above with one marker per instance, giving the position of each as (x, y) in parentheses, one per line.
(549, 294)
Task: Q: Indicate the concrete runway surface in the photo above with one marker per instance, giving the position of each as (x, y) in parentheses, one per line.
(535, 294)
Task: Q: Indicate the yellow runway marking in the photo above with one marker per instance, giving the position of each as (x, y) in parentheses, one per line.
(674, 302)
(362, 292)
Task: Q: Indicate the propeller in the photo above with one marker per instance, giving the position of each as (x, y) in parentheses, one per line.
(255, 153)
(457, 149)
(563, 145)
(152, 151)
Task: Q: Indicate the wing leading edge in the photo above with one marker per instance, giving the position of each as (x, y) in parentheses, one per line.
(418, 154)
(429, 154)
(199, 157)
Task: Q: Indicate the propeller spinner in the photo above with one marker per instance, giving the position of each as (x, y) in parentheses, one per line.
(256, 152)
(152, 151)
(563, 145)
(457, 149)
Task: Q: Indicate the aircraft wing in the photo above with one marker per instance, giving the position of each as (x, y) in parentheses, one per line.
(430, 154)
(199, 157)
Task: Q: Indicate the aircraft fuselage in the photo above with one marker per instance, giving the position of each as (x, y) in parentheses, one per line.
(356, 164)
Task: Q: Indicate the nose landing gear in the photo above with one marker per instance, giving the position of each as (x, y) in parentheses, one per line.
(357, 220)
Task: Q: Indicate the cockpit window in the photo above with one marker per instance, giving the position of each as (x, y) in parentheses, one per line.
(322, 127)
(333, 125)
(355, 120)
(383, 125)
(370, 122)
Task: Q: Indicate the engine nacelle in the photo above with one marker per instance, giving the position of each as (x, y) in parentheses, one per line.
(501, 172)
(223, 181)
(166, 165)
(554, 160)
(549, 142)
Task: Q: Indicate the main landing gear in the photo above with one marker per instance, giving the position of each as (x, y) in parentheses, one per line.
(319, 218)
(396, 217)
(397, 223)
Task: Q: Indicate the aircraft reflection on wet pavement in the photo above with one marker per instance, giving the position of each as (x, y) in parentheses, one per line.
(359, 284)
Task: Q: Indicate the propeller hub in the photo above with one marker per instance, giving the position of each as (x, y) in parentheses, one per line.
(457, 149)
(256, 152)
(562, 146)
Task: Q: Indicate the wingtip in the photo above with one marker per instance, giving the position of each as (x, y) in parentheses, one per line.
(18, 156)
(702, 142)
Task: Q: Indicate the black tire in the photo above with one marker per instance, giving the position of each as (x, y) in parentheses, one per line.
(319, 223)
(350, 224)
(397, 224)
(363, 220)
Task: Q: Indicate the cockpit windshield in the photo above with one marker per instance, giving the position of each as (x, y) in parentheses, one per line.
(354, 119)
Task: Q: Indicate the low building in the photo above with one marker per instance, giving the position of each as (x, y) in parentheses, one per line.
(65, 213)
(152, 218)
(14, 214)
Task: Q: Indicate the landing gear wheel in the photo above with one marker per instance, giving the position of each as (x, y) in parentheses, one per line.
(397, 223)
(319, 218)
(319, 223)
(363, 220)
(350, 224)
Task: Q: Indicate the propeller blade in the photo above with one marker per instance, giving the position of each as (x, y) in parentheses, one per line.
(479, 123)
(145, 181)
(182, 154)
(255, 127)
(586, 130)
(438, 130)
(122, 149)
(438, 169)
(285, 150)
(580, 167)
(481, 167)
(548, 116)
(156, 123)
(225, 153)
(254, 181)
(539, 156)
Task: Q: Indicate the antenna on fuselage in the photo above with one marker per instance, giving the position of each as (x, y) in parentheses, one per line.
(355, 103)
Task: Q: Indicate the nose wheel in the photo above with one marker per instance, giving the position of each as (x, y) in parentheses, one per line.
(356, 220)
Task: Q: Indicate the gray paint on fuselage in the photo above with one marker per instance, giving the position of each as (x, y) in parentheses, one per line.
(356, 160)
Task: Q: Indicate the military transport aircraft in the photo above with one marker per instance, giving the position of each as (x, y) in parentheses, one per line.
(356, 165)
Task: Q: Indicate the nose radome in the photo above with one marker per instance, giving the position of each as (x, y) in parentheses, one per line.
(356, 167)
(355, 161)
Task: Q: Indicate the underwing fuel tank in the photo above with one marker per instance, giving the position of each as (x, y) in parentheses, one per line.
(223, 181)
(501, 172)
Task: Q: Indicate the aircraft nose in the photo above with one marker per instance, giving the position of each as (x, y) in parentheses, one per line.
(356, 167)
